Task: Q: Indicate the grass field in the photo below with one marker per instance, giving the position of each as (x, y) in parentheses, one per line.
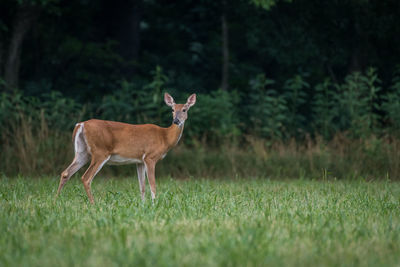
(200, 223)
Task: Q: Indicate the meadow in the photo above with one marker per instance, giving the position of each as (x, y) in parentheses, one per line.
(200, 222)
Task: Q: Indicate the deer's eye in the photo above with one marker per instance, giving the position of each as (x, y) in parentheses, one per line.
(184, 110)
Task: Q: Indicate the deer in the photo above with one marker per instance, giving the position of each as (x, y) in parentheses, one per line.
(116, 143)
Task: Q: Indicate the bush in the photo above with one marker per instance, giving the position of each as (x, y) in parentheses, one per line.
(296, 98)
(137, 105)
(358, 103)
(324, 109)
(267, 131)
(214, 117)
(266, 109)
(391, 105)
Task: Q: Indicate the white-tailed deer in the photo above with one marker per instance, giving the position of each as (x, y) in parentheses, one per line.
(122, 143)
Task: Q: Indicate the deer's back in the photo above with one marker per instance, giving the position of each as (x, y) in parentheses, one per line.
(126, 140)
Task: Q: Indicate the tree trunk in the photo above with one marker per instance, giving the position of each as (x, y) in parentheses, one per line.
(225, 49)
(26, 15)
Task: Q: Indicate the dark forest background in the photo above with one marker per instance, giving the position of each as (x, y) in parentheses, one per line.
(285, 88)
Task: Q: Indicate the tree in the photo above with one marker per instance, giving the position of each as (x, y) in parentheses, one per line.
(26, 13)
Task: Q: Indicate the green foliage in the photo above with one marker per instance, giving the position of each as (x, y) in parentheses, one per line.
(123, 104)
(156, 87)
(391, 104)
(353, 106)
(59, 112)
(296, 98)
(266, 4)
(357, 106)
(213, 117)
(358, 102)
(267, 110)
(133, 105)
(36, 130)
(325, 109)
(9, 104)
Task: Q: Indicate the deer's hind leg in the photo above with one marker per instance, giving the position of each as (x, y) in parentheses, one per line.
(79, 161)
(141, 172)
(95, 166)
(81, 156)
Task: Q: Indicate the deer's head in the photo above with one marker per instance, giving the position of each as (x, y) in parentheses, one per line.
(179, 111)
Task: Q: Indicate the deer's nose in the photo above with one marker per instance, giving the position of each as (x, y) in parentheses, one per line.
(176, 121)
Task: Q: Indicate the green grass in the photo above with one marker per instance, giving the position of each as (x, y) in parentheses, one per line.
(200, 223)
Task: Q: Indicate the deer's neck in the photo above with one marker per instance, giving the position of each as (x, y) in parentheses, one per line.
(174, 133)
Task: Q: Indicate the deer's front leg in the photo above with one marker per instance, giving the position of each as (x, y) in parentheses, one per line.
(141, 172)
(150, 169)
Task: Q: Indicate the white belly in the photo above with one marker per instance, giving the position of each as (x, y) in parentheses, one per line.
(118, 160)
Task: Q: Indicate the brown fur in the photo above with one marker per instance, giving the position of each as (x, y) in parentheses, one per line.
(145, 144)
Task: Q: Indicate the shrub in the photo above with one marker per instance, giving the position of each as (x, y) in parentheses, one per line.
(324, 109)
(391, 104)
(266, 109)
(137, 105)
(214, 117)
(296, 98)
(358, 103)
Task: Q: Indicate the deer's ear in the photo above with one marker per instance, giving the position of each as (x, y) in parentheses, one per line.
(169, 100)
(191, 100)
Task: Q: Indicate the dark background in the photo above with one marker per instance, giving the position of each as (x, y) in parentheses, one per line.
(315, 83)
(84, 48)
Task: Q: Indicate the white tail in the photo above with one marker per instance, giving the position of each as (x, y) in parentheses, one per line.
(109, 142)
